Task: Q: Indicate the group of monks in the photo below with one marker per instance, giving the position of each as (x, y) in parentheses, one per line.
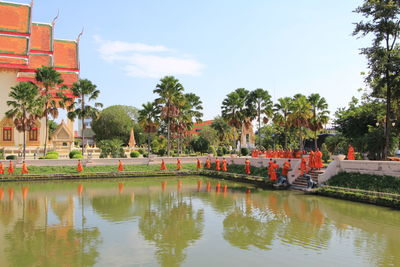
(10, 169)
(278, 154)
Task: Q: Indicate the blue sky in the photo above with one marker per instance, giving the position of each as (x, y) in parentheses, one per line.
(214, 47)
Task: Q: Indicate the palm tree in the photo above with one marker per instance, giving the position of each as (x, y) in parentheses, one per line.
(49, 78)
(259, 104)
(170, 91)
(281, 116)
(320, 112)
(149, 119)
(25, 106)
(300, 114)
(234, 111)
(83, 91)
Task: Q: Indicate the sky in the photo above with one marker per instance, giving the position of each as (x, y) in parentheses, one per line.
(213, 47)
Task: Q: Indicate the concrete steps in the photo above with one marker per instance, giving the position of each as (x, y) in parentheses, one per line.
(301, 182)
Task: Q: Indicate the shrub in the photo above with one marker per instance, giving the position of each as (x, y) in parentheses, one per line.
(141, 151)
(135, 154)
(77, 156)
(145, 155)
(162, 152)
(220, 152)
(11, 157)
(212, 150)
(244, 151)
(51, 156)
(2, 153)
(112, 147)
(73, 153)
(225, 150)
(325, 153)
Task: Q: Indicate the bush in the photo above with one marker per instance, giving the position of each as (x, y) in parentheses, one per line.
(200, 144)
(325, 153)
(244, 151)
(51, 156)
(225, 150)
(112, 148)
(73, 153)
(212, 150)
(135, 154)
(162, 152)
(141, 151)
(11, 157)
(220, 152)
(77, 156)
(145, 155)
(2, 153)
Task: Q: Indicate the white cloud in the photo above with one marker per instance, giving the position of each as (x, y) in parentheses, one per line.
(139, 60)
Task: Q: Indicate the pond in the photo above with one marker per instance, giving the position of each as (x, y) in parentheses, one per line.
(184, 222)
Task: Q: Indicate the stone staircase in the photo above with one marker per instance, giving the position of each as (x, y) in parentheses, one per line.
(301, 182)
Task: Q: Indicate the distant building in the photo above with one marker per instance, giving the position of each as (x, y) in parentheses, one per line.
(88, 132)
(197, 127)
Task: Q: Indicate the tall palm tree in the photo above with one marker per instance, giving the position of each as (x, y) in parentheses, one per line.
(319, 108)
(49, 79)
(25, 106)
(259, 104)
(84, 91)
(281, 116)
(235, 112)
(300, 114)
(149, 117)
(170, 95)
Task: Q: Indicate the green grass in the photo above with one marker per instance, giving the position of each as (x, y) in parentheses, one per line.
(239, 169)
(387, 184)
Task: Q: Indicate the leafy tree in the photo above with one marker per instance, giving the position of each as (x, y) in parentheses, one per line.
(320, 112)
(299, 116)
(52, 126)
(281, 116)
(170, 95)
(209, 134)
(259, 104)
(113, 122)
(50, 79)
(223, 130)
(382, 21)
(149, 117)
(235, 112)
(200, 144)
(84, 91)
(25, 106)
(111, 148)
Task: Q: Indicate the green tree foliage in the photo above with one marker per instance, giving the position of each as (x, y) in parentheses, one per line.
(326, 155)
(299, 116)
(84, 92)
(210, 134)
(320, 114)
(149, 120)
(113, 122)
(382, 22)
(281, 116)
(200, 144)
(111, 148)
(224, 132)
(25, 107)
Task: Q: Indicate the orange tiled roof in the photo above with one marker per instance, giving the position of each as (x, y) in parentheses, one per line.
(13, 45)
(65, 54)
(41, 37)
(15, 17)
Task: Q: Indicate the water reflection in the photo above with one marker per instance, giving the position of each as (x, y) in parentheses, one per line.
(69, 223)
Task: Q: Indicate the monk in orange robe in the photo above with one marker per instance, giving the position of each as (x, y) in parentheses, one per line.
(286, 168)
(163, 167)
(311, 162)
(318, 159)
(272, 171)
(10, 168)
(247, 166)
(1, 168)
(224, 165)
(120, 166)
(79, 168)
(178, 165)
(303, 166)
(24, 168)
(198, 166)
(208, 164)
(217, 165)
(350, 153)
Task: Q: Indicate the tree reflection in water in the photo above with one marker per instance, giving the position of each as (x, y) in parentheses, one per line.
(171, 222)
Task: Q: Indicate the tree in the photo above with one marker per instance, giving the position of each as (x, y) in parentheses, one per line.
(149, 117)
(281, 115)
(84, 91)
(223, 130)
(383, 23)
(259, 104)
(235, 112)
(170, 95)
(25, 109)
(113, 122)
(299, 116)
(50, 79)
(320, 112)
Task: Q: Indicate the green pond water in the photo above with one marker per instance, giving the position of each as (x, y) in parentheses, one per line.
(171, 222)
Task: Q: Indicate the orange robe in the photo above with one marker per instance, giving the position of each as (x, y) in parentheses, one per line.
(318, 160)
(247, 166)
(163, 167)
(224, 166)
(217, 165)
(79, 168)
(198, 164)
(303, 166)
(24, 169)
(120, 166)
(1, 168)
(208, 164)
(311, 162)
(178, 165)
(286, 168)
(10, 168)
(272, 172)
(350, 153)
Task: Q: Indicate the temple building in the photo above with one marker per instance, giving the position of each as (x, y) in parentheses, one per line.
(24, 47)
